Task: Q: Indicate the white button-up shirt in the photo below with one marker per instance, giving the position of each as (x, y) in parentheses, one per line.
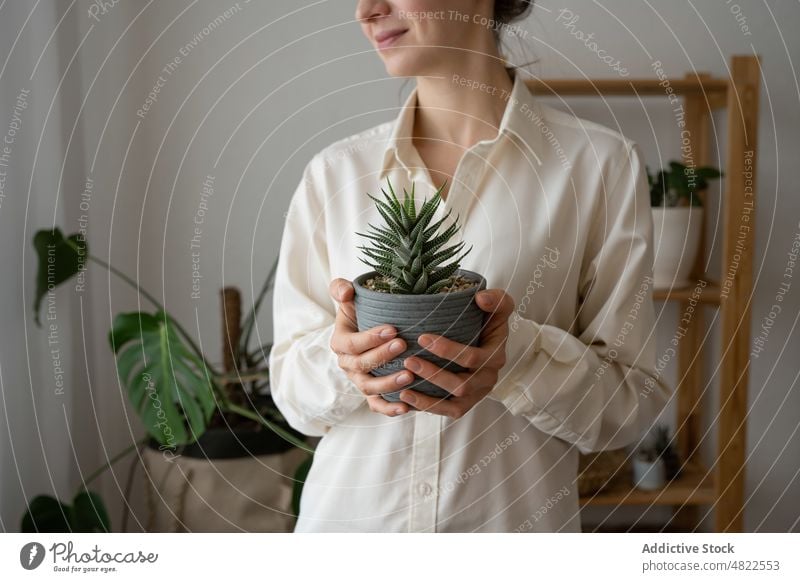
(558, 212)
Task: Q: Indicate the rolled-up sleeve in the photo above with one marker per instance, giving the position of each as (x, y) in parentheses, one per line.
(597, 390)
(308, 386)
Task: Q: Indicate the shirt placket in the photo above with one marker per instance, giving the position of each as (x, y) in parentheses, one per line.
(425, 472)
(426, 454)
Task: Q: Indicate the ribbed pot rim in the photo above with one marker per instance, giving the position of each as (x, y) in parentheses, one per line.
(359, 287)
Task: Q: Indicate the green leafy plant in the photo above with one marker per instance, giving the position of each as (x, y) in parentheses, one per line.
(157, 362)
(157, 367)
(661, 447)
(87, 514)
(670, 187)
(406, 250)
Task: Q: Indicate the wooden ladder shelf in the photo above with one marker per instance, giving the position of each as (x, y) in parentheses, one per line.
(720, 486)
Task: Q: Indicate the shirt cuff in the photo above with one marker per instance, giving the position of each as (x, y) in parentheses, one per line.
(524, 342)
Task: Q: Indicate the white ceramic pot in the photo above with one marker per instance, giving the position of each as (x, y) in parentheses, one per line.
(648, 476)
(676, 238)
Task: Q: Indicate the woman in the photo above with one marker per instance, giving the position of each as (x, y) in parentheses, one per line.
(557, 209)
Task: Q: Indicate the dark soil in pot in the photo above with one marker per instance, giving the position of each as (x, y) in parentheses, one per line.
(454, 315)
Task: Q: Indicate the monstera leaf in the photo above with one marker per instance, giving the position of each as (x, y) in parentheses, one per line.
(167, 383)
(46, 514)
(60, 259)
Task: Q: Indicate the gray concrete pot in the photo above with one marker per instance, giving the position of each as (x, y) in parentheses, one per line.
(454, 315)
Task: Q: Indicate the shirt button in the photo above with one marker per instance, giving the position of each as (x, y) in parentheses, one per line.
(424, 489)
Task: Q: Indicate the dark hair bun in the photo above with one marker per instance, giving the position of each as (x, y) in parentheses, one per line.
(506, 11)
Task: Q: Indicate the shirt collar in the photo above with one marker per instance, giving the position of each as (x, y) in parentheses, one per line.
(521, 111)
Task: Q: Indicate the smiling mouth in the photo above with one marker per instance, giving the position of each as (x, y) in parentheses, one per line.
(387, 39)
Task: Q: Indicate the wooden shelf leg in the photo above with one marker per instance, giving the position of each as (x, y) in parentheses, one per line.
(737, 290)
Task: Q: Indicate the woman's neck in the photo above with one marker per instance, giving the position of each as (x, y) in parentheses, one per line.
(464, 107)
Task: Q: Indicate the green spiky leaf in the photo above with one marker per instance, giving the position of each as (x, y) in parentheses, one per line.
(408, 250)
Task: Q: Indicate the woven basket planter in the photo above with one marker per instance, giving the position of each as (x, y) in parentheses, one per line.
(228, 481)
(602, 470)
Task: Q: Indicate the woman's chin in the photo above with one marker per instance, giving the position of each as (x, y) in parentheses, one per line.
(403, 65)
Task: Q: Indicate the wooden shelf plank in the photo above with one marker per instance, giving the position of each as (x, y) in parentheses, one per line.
(713, 87)
(695, 486)
(711, 293)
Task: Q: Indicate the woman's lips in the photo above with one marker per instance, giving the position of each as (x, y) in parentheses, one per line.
(385, 39)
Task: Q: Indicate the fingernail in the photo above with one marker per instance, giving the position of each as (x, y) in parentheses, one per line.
(399, 411)
(409, 397)
(487, 299)
(396, 347)
(424, 340)
(404, 378)
(387, 332)
(413, 365)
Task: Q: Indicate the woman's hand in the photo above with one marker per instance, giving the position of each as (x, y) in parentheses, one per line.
(483, 362)
(360, 352)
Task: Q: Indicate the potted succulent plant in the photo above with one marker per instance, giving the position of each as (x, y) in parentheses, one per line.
(656, 463)
(412, 286)
(677, 221)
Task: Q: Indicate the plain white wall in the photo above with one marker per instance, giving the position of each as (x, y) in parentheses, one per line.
(249, 104)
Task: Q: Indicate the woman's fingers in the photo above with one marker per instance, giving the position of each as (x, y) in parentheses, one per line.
(470, 357)
(376, 385)
(455, 408)
(491, 352)
(363, 351)
(355, 343)
(499, 305)
(456, 384)
(341, 290)
(425, 403)
(378, 404)
(373, 358)
(346, 338)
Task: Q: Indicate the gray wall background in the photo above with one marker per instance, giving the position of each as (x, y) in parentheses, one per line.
(249, 104)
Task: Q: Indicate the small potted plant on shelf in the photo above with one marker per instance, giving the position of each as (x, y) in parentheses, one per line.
(656, 463)
(412, 286)
(677, 220)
